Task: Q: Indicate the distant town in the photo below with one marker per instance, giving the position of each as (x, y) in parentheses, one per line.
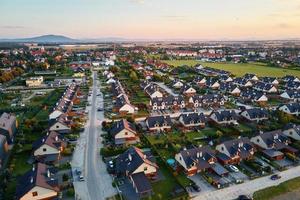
(161, 120)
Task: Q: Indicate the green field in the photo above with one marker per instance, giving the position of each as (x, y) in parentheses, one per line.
(240, 69)
(283, 188)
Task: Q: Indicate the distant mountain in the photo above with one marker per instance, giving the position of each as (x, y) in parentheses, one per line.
(43, 39)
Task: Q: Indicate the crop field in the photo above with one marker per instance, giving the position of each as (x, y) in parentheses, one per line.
(240, 69)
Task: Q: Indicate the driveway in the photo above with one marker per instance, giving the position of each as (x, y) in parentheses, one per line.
(248, 187)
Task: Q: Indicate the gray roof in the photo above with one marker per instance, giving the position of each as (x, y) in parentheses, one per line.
(154, 121)
(7, 121)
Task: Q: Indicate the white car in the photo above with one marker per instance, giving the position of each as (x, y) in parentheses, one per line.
(81, 178)
(233, 168)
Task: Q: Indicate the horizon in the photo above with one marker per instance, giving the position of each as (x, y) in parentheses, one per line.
(152, 19)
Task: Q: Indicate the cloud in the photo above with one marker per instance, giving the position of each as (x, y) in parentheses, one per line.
(12, 27)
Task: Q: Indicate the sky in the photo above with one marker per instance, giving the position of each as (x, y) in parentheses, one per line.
(152, 19)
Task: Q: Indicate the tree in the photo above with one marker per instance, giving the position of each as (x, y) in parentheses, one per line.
(133, 76)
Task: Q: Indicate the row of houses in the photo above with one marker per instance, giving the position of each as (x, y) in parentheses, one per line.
(122, 103)
(41, 181)
(195, 120)
(179, 102)
(273, 145)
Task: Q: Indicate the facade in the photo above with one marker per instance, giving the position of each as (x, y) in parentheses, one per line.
(234, 151)
(34, 81)
(124, 133)
(8, 126)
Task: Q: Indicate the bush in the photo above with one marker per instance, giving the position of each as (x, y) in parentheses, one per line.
(71, 192)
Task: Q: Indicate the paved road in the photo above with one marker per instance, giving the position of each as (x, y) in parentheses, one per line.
(98, 180)
(248, 187)
(98, 183)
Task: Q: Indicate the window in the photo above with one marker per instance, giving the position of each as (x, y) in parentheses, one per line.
(291, 133)
(222, 148)
(57, 126)
(145, 168)
(34, 194)
(126, 133)
(44, 149)
(257, 140)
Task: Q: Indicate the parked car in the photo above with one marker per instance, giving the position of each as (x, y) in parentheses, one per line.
(275, 177)
(233, 168)
(244, 197)
(196, 187)
(81, 178)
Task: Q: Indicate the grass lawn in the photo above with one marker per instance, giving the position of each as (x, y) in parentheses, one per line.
(240, 69)
(163, 188)
(194, 135)
(156, 139)
(271, 192)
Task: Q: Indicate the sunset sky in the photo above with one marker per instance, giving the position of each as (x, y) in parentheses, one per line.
(152, 19)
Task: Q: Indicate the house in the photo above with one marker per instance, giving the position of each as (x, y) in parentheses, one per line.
(188, 90)
(200, 80)
(167, 103)
(289, 78)
(124, 133)
(196, 159)
(3, 149)
(265, 87)
(292, 130)
(60, 125)
(224, 117)
(38, 184)
(270, 80)
(230, 88)
(141, 185)
(251, 77)
(34, 81)
(225, 78)
(159, 123)
(235, 151)
(292, 95)
(212, 83)
(153, 91)
(254, 96)
(123, 106)
(177, 84)
(255, 114)
(192, 120)
(242, 82)
(273, 144)
(292, 85)
(8, 126)
(207, 100)
(139, 167)
(291, 108)
(49, 148)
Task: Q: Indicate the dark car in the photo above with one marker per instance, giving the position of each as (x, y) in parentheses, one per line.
(244, 197)
(196, 187)
(275, 177)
